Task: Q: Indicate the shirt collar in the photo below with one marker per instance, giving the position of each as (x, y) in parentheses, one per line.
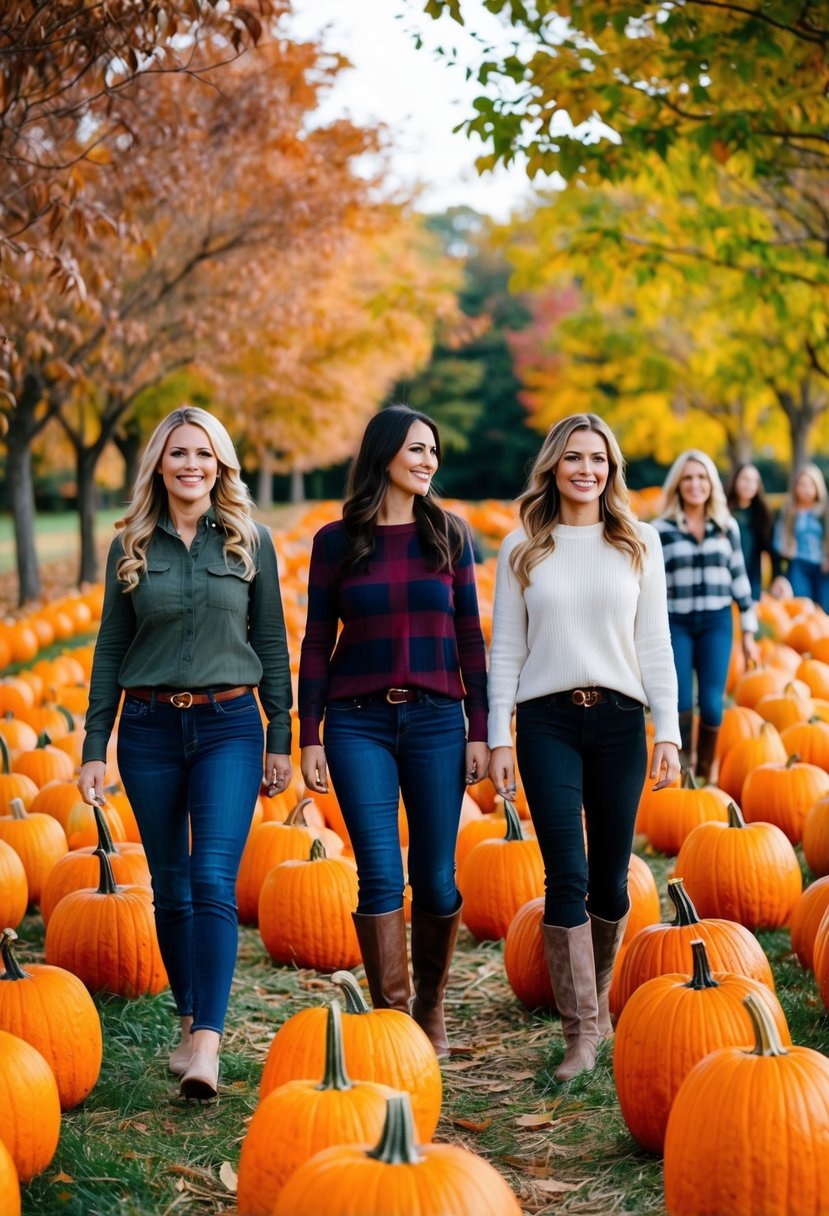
(168, 526)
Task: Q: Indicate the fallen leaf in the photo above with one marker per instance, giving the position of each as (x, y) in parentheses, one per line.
(543, 1120)
(62, 1177)
(227, 1175)
(471, 1125)
(552, 1186)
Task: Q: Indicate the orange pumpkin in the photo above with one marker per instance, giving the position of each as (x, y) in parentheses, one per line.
(82, 825)
(783, 793)
(80, 868)
(524, 960)
(268, 845)
(748, 754)
(809, 740)
(816, 837)
(29, 1106)
(9, 1183)
(760, 682)
(806, 918)
(643, 895)
(499, 876)
(738, 722)
(39, 842)
(14, 887)
(786, 708)
(305, 912)
(815, 674)
(676, 812)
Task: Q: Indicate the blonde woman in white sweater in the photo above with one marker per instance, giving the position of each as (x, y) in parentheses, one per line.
(580, 645)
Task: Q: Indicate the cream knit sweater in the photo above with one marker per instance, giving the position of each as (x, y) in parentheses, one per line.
(587, 618)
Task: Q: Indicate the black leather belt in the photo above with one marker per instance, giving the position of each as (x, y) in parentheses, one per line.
(585, 697)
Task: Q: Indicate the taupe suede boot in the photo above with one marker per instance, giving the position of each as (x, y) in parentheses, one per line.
(569, 956)
(433, 944)
(385, 958)
(607, 938)
(706, 750)
(686, 735)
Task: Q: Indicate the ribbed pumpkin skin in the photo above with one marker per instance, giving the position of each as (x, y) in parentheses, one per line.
(79, 869)
(749, 874)
(677, 812)
(383, 1045)
(39, 842)
(9, 1185)
(816, 838)
(268, 845)
(498, 877)
(14, 888)
(108, 940)
(305, 912)
(738, 722)
(745, 756)
(29, 1106)
(51, 1009)
(810, 741)
(664, 1030)
(782, 794)
(747, 1135)
(524, 960)
(345, 1182)
(806, 917)
(821, 960)
(643, 895)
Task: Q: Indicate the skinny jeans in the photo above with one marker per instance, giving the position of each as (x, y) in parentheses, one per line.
(375, 752)
(570, 757)
(808, 578)
(194, 771)
(702, 643)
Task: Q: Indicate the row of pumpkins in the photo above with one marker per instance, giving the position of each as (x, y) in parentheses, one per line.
(677, 993)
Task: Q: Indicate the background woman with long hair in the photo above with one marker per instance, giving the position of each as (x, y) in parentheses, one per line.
(580, 646)
(746, 500)
(801, 536)
(192, 622)
(397, 571)
(705, 572)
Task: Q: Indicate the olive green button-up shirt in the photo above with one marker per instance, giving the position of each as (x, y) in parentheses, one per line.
(192, 623)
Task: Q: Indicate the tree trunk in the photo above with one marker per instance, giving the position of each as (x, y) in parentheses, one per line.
(128, 443)
(801, 412)
(264, 483)
(297, 486)
(23, 427)
(86, 460)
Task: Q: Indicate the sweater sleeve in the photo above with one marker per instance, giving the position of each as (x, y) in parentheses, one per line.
(268, 640)
(115, 634)
(318, 642)
(470, 639)
(652, 638)
(509, 649)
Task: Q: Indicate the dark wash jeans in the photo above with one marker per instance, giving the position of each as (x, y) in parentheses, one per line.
(375, 752)
(570, 756)
(196, 769)
(702, 643)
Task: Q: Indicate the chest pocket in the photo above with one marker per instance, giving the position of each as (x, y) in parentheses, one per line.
(158, 591)
(227, 588)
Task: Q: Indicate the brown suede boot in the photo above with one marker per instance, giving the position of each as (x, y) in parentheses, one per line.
(569, 955)
(706, 750)
(385, 958)
(686, 735)
(607, 938)
(433, 943)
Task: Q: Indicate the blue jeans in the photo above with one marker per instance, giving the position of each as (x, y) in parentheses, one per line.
(808, 578)
(702, 643)
(375, 752)
(570, 756)
(194, 770)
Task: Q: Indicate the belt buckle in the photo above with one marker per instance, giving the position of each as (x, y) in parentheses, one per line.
(585, 697)
(393, 700)
(182, 700)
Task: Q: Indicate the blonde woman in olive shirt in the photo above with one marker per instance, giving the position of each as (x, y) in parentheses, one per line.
(192, 622)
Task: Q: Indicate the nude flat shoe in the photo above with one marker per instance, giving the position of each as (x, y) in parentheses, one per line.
(200, 1080)
(180, 1058)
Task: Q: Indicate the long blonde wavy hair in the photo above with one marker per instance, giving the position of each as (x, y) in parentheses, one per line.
(789, 509)
(716, 508)
(540, 504)
(230, 498)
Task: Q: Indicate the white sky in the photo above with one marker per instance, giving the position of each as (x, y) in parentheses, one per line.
(419, 97)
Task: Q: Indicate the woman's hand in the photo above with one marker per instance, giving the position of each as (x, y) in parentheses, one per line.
(502, 771)
(277, 773)
(750, 650)
(91, 782)
(314, 769)
(477, 762)
(665, 765)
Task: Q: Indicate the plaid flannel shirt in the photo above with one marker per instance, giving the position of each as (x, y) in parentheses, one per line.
(706, 575)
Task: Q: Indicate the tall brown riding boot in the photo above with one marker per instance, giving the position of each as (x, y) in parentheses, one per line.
(569, 955)
(686, 735)
(607, 938)
(706, 750)
(433, 943)
(383, 947)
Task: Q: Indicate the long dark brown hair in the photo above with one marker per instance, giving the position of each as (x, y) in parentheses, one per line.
(441, 533)
(761, 521)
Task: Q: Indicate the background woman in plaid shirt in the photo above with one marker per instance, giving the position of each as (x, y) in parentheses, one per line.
(705, 571)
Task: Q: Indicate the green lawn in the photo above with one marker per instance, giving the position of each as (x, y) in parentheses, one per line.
(57, 536)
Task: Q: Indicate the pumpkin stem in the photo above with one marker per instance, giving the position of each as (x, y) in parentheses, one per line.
(105, 840)
(4, 753)
(793, 760)
(43, 739)
(67, 715)
(335, 1075)
(767, 1040)
(702, 977)
(297, 815)
(318, 852)
(735, 817)
(513, 822)
(13, 970)
(355, 1002)
(17, 808)
(686, 913)
(107, 884)
(687, 782)
(397, 1144)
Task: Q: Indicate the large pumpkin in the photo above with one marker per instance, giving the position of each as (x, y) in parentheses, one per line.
(81, 868)
(305, 912)
(499, 876)
(643, 896)
(783, 793)
(746, 755)
(749, 1129)
(268, 845)
(39, 842)
(524, 960)
(9, 1184)
(748, 873)
(806, 917)
(816, 837)
(676, 812)
(51, 1009)
(29, 1106)
(14, 888)
(107, 937)
(397, 1178)
(809, 740)
(668, 1025)
(738, 722)
(44, 762)
(299, 1118)
(383, 1045)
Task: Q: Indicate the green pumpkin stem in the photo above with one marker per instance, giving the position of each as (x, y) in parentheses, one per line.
(68, 716)
(793, 760)
(318, 852)
(735, 816)
(397, 1145)
(4, 753)
(513, 822)
(105, 840)
(355, 1002)
(335, 1075)
(767, 1040)
(107, 884)
(686, 913)
(13, 970)
(702, 977)
(43, 739)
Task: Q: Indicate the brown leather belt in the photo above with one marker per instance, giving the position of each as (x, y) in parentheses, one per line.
(183, 700)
